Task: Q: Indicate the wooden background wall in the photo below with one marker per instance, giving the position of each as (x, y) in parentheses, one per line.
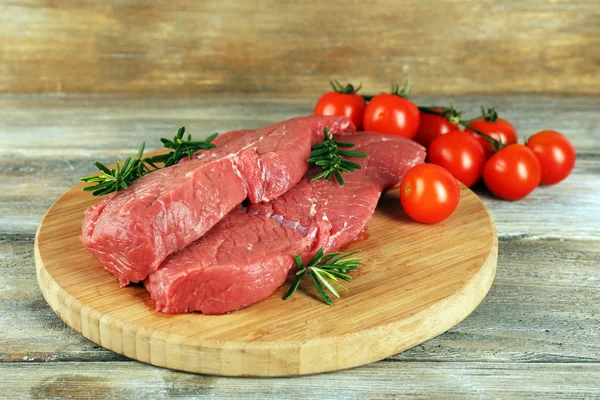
(190, 47)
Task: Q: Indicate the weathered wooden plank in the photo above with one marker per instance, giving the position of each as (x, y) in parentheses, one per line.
(407, 379)
(70, 132)
(30, 329)
(541, 308)
(125, 46)
(90, 125)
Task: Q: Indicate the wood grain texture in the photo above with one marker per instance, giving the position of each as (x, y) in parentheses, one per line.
(537, 332)
(408, 291)
(384, 380)
(192, 47)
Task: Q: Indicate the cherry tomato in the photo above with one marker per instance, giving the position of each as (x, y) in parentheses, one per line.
(432, 126)
(392, 113)
(555, 153)
(512, 173)
(460, 154)
(343, 101)
(429, 193)
(498, 128)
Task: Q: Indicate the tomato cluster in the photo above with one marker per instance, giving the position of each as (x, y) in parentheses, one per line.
(487, 148)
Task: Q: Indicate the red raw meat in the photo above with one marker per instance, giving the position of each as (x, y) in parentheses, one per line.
(131, 232)
(248, 255)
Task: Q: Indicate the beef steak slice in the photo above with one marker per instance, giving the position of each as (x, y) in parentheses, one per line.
(131, 232)
(248, 255)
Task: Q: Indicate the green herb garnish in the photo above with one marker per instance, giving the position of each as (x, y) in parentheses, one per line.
(328, 156)
(181, 148)
(113, 180)
(325, 269)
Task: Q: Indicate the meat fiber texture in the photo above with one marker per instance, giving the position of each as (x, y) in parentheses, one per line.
(132, 231)
(249, 254)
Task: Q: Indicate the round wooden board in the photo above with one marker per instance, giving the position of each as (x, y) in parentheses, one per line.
(417, 282)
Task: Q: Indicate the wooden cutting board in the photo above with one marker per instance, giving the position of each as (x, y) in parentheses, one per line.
(417, 282)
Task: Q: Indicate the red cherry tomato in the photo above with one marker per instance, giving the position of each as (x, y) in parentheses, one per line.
(512, 173)
(498, 128)
(428, 193)
(393, 114)
(460, 154)
(555, 153)
(432, 126)
(343, 101)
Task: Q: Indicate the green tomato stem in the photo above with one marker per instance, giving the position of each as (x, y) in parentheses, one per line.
(435, 110)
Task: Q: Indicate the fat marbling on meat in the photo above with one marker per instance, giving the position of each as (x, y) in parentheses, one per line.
(248, 255)
(132, 231)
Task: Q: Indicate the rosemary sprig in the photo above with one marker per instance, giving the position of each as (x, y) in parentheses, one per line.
(325, 269)
(328, 155)
(112, 180)
(181, 148)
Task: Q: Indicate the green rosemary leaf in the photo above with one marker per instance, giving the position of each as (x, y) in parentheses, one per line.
(127, 163)
(102, 168)
(338, 267)
(168, 144)
(316, 257)
(338, 177)
(325, 271)
(293, 288)
(324, 274)
(212, 137)
(339, 256)
(298, 262)
(140, 151)
(336, 282)
(328, 257)
(324, 174)
(320, 290)
(344, 144)
(150, 162)
(350, 164)
(325, 283)
(102, 192)
(319, 152)
(328, 156)
(161, 158)
(341, 275)
(349, 153)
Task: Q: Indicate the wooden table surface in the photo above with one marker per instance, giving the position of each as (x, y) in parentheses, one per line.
(537, 333)
(215, 46)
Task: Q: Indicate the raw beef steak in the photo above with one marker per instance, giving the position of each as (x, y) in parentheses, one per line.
(248, 255)
(132, 231)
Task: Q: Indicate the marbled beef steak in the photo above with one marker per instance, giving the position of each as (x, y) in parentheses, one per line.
(131, 232)
(248, 255)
